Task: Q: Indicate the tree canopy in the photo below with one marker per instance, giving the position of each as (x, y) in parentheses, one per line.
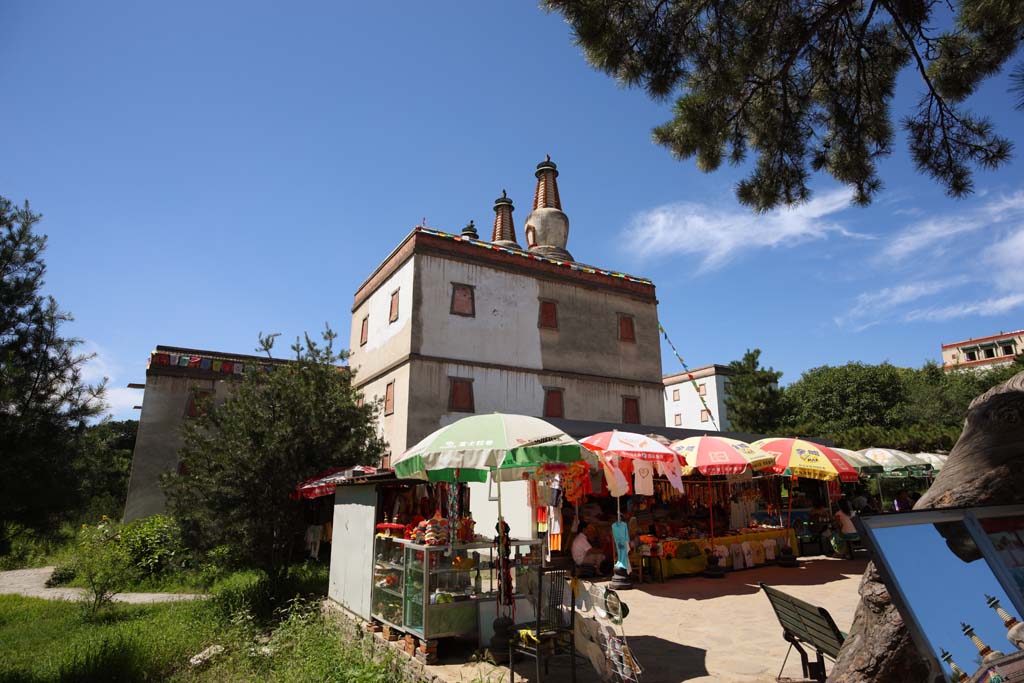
(241, 459)
(44, 402)
(807, 85)
(754, 401)
(859, 405)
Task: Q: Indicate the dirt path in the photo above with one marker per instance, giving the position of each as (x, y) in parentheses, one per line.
(32, 583)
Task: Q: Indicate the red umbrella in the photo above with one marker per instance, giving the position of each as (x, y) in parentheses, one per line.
(628, 445)
(326, 482)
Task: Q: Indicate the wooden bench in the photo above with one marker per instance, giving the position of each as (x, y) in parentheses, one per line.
(806, 624)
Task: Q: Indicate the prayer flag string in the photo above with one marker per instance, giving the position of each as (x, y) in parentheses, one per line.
(693, 380)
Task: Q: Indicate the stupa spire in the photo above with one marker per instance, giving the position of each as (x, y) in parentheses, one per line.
(547, 226)
(546, 194)
(1008, 619)
(1014, 628)
(504, 232)
(957, 671)
(987, 653)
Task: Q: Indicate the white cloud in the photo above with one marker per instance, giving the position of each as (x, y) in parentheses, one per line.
(937, 233)
(870, 308)
(719, 235)
(986, 307)
(119, 400)
(1005, 261)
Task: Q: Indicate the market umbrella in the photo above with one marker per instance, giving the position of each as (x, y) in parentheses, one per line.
(862, 464)
(627, 445)
(892, 459)
(936, 460)
(800, 458)
(500, 445)
(712, 455)
(616, 444)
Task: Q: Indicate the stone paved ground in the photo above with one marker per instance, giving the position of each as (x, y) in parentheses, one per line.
(32, 583)
(701, 630)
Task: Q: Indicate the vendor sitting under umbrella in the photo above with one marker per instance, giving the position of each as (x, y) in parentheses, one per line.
(589, 561)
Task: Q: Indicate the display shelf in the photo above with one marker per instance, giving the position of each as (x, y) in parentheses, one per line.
(390, 591)
(382, 566)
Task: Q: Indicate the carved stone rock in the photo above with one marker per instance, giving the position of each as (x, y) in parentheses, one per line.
(985, 467)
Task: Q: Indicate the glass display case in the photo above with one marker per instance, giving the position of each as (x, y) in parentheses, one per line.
(388, 580)
(443, 584)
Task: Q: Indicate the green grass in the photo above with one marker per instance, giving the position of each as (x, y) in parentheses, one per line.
(42, 640)
(52, 642)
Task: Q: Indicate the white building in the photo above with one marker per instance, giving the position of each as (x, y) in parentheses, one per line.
(683, 404)
(451, 325)
(983, 353)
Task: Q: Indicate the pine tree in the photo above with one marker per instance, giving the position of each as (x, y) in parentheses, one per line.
(241, 459)
(44, 402)
(754, 402)
(807, 84)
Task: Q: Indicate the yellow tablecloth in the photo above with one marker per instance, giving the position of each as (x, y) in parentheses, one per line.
(696, 565)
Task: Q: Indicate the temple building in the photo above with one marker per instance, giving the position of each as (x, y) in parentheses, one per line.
(179, 381)
(450, 325)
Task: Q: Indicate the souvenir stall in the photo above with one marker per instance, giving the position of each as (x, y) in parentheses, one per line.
(450, 587)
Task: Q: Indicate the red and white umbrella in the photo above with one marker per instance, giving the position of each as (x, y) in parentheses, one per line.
(610, 446)
(628, 445)
(711, 455)
(714, 455)
(326, 482)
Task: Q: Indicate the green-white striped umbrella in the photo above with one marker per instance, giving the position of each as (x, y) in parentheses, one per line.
(894, 460)
(861, 463)
(504, 445)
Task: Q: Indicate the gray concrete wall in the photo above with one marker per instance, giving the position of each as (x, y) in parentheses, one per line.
(501, 390)
(164, 406)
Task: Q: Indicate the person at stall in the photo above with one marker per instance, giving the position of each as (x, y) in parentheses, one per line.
(844, 529)
(903, 501)
(589, 560)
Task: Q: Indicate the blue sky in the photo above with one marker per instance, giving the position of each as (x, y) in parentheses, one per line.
(208, 171)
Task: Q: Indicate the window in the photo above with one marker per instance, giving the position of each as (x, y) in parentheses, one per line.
(548, 315)
(678, 420)
(1007, 350)
(389, 398)
(198, 402)
(702, 389)
(359, 402)
(364, 331)
(727, 387)
(460, 395)
(990, 352)
(463, 302)
(627, 332)
(393, 316)
(972, 355)
(675, 394)
(705, 416)
(553, 403)
(630, 410)
(385, 461)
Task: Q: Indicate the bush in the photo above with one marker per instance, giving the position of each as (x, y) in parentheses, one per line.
(153, 545)
(62, 575)
(102, 564)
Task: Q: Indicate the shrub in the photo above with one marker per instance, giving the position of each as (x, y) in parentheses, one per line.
(62, 575)
(153, 545)
(102, 564)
